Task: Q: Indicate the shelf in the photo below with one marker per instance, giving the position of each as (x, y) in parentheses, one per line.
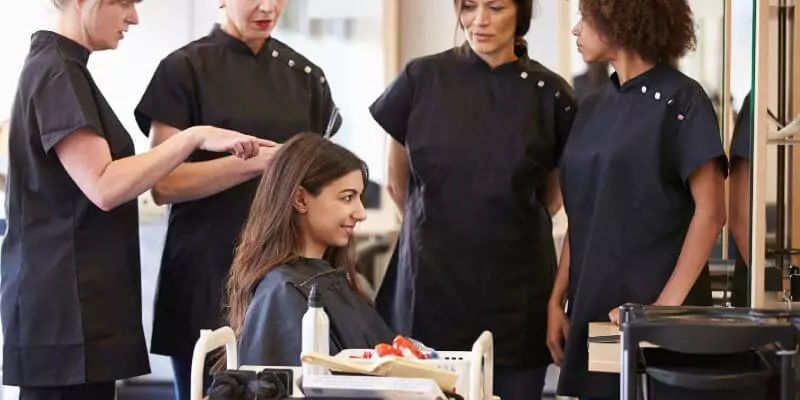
(783, 142)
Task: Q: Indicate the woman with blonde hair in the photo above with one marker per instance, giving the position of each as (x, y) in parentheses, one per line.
(71, 279)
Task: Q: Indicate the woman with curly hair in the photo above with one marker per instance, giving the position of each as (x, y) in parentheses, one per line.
(643, 179)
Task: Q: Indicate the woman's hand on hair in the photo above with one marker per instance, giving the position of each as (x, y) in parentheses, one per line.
(220, 140)
(264, 158)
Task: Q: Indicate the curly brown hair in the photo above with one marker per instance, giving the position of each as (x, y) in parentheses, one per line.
(657, 30)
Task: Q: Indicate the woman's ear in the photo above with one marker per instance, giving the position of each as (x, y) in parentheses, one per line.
(300, 202)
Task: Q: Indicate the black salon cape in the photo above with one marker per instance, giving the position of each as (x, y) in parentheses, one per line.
(740, 151)
(71, 286)
(625, 177)
(218, 81)
(272, 333)
(476, 247)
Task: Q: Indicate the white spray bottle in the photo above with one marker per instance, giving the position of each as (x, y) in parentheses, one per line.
(316, 331)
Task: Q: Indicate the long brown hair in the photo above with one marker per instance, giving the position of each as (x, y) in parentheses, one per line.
(272, 234)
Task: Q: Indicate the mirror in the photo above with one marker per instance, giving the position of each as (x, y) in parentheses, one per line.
(709, 66)
(738, 129)
(775, 229)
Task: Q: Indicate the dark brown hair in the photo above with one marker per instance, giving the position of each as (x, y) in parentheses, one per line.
(272, 235)
(524, 16)
(656, 30)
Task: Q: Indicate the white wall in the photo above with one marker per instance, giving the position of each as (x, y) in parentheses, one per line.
(742, 50)
(426, 27)
(543, 42)
(122, 74)
(15, 31)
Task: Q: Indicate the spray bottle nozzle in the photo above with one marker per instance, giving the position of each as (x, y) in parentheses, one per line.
(315, 297)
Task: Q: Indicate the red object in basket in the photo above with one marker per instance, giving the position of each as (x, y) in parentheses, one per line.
(401, 343)
(384, 349)
(362, 356)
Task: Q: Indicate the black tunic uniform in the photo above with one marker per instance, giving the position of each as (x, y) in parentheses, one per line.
(71, 286)
(272, 328)
(626, 192)
(476, 248)
(740, 142)
(218, 81)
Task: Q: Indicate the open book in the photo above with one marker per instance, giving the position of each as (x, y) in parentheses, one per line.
(389, 366)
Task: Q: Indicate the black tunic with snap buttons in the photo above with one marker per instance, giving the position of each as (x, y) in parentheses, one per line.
(219, 81)
(476, 247)
(71, 280)
(625, 179)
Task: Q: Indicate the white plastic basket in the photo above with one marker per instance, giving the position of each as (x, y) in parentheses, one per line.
(457, 362)
(475, 368)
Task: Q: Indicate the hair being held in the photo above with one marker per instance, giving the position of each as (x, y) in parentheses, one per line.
(272, 235)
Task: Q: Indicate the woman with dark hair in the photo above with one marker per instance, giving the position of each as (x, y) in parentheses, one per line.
(299, 233)
(238, 77)
(643, 181)
(71, 279)
(476, 135)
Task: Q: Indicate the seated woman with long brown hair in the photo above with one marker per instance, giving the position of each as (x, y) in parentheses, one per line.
(299, 232)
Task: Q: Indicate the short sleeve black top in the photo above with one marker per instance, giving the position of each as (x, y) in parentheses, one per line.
(476, 248)
(625, 181)
(740, 142)
(71, 286)
(219, 81)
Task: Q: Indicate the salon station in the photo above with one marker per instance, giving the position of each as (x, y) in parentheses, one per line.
(400, 199)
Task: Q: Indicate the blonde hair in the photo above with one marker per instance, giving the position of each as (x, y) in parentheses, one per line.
(89, 14)
(90, 11)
